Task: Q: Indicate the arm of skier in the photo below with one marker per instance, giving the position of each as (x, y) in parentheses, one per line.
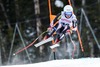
(74, 23)
(55, 20)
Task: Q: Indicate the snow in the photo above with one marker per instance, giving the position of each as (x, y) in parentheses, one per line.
(82, 62)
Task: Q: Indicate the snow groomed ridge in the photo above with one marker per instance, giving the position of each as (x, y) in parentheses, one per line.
(82, 62)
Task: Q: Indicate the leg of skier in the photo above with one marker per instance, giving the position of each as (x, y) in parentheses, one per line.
(62, 34)
(59, 30)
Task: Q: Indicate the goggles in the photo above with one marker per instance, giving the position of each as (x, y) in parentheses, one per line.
(68, 13)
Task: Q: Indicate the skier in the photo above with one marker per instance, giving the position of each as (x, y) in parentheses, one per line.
(66, 21)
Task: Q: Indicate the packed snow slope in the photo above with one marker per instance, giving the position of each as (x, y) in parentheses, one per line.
(82, 62)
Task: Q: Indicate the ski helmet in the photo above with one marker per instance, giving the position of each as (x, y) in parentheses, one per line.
(68, 8)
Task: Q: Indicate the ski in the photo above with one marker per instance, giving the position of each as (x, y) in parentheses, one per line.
(54, 46)
(43, 42)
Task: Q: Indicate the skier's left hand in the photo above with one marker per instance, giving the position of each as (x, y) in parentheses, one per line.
(70, 30)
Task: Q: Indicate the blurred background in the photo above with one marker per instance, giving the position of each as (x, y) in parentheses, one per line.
(21, 21)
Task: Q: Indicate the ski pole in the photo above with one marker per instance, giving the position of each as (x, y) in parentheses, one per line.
(73, 45)
(29, 44)
(78, 32)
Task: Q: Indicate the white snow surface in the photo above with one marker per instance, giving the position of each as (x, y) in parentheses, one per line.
(82, 62)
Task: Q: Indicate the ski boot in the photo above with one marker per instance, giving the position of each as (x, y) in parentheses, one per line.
(46, 37)
(50, 33)
(60, 37)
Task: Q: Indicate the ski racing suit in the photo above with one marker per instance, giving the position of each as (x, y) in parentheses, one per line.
(63, 25)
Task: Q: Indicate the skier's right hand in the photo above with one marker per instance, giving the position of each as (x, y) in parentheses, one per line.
(49, 28)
